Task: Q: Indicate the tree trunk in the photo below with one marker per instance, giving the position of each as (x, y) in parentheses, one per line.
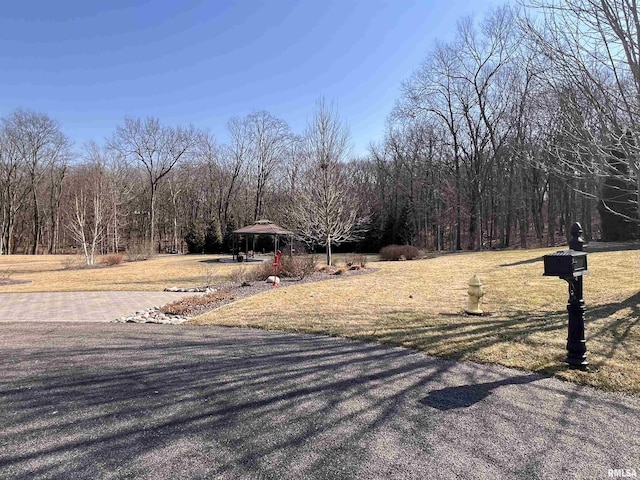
(458, 208)
(152, 214)
(36, 223)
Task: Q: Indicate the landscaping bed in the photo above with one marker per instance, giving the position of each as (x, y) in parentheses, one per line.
(227, 293)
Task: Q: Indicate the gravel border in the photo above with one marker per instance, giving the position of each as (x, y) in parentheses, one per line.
(238, 292)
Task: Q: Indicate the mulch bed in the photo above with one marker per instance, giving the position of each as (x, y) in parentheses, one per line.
(228, 293)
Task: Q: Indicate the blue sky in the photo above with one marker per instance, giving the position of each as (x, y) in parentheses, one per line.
(90, 63)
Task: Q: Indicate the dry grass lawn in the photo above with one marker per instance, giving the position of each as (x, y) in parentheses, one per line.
(419, 304)
(48, 273)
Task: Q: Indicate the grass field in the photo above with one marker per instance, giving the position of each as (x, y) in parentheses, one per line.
(418, 304)
(48, 273)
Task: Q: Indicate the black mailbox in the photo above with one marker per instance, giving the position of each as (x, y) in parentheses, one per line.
(570, 265)
(566, 263)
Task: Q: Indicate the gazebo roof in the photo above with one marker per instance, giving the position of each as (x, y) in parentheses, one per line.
(261, 227)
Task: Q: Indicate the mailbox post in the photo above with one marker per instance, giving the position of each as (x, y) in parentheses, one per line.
(571, 265)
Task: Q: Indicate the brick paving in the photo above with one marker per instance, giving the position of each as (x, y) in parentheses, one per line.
(78, 306)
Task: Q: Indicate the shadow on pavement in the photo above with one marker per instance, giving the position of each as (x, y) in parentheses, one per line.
(149, 401)
(464, 396)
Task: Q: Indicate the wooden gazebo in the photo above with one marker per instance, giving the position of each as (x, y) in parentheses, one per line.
(261, 227)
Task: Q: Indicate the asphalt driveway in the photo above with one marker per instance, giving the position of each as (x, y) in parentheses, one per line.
(163, 402)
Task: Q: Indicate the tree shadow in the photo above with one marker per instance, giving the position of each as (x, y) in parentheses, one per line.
(469, 335)
(199, 402)
(464, 396)
(523, 262)
(618, 329)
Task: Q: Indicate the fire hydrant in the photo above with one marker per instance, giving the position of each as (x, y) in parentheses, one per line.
(476, 292)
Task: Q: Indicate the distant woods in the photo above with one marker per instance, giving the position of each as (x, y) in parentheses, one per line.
(526, 121)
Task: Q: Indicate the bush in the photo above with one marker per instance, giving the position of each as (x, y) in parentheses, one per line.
(262, 270)
(138, 253)
(254, 273)
(112, 259)
(399, 252)
(209, 273)
(241, 274)
(75, 261)
(353, 259)
(300, 266)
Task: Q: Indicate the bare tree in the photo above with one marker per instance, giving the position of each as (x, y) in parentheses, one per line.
(14, 184)
(325, 209)
(594, 51)
(234, 160)
(57, 176)
(87, 219)
(39, 144)
(158, 148)
(463, 90)
(269, 140)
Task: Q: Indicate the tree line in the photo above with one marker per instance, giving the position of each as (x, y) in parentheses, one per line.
(527, 120)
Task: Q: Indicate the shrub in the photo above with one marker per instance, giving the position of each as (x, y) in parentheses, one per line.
(300, 266)
(262, 270)
(209, 273)
(254, 273)
(73, 262)
(138, 253)
(399, 252)
(352, 259)
(240, 274)
(112, 259)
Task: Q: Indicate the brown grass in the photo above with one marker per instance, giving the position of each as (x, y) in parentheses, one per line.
(417, 304)
(47, 273)
(420, 305)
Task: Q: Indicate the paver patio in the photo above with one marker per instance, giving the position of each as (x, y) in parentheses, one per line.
(78, 306)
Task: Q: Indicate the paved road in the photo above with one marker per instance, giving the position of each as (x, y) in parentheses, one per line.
(78, 306)
(164, 402)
